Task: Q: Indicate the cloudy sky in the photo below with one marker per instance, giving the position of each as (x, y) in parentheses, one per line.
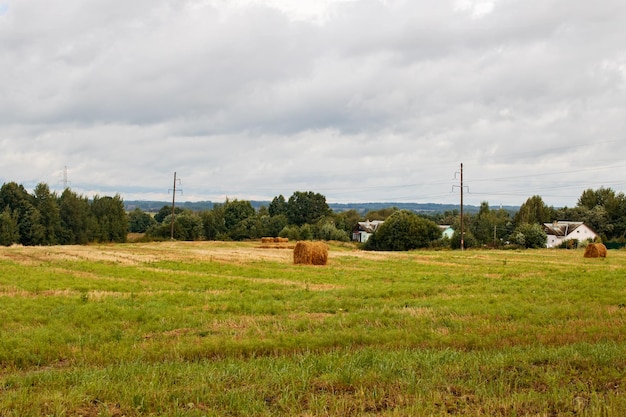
(359, 100)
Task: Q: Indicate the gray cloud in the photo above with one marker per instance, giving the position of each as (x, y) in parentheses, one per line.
(363, 100)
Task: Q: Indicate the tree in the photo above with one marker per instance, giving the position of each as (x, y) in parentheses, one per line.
(111, 219)
(213, 223)
(278, 206)
(236, 211)
(77, 221)
(166, 211)
(489, 226)
(403, 231)
(306, 207)
(48, 206)
(534, 210)
(347, 220)
(139, 221)
(9, 230)
(530, 236)
(380, 214)
(325, 229)
(22, 205)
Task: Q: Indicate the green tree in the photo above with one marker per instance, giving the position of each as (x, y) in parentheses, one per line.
(403, 231)
(139, 221)
(469, 240)
(534, 210)
(166, 211)
(9, 230)
(325, 229)
(278, 206)
(273, 225)
(111, 219)
(380, 214)
(530, 236)
(48, 206)
(306, 207)
(213, 223)
(490, 226)
(347, 220)
(236, 211)
(78, 224)
(22, 205)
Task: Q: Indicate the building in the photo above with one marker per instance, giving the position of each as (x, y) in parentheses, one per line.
(561, 231)
(446, 231)
(363, 230)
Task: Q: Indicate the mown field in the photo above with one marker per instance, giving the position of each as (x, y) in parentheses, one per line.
(235, 329)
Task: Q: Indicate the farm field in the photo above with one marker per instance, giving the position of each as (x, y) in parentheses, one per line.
(235, 329)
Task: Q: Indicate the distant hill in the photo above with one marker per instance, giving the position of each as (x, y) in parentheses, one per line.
(362, 208)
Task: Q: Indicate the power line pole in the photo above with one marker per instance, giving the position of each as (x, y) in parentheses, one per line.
(462, 226)
(64, 179)
(173, 190)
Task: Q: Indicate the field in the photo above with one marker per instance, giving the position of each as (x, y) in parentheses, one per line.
(235, 329)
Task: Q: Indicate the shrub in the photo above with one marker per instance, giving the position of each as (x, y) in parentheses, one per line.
(403, 231)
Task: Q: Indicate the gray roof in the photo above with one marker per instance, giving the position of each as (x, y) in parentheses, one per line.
(561, 228)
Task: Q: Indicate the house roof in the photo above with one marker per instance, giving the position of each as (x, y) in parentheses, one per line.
(370, 226)
(561, 228)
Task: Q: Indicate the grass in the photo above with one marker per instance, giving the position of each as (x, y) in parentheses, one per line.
(214, 329)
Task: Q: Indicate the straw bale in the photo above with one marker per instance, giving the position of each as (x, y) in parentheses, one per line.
(267, 240)
(310, 253)
(281, 239)
(595, 250)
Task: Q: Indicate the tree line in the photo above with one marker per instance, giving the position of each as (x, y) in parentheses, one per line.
(46, 218)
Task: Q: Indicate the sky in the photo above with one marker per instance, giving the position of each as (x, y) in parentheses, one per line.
(359, 100)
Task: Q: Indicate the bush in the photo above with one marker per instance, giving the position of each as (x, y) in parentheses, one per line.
(403, 231)
(530, 236)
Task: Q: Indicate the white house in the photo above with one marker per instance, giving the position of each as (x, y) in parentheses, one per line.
(560, 231)
(446, 230)
(364, 230)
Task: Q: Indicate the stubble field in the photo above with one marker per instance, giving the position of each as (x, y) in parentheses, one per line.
(235, 329)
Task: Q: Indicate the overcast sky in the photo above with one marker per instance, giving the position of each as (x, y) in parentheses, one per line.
(359, 100)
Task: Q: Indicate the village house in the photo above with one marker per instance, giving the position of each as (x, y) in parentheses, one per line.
(561, 231)
(363, 230)
(446, 230)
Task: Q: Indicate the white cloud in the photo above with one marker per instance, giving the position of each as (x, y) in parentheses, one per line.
(361, 100)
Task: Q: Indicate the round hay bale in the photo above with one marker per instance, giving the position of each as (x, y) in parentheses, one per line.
(319, 255)
(267, 240)
(310, 253)
(595, 250)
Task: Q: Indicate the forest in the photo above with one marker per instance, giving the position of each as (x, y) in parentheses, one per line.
(44, 217)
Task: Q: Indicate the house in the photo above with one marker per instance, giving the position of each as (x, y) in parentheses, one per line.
(363, 230)
(446, 231)
(560, 231)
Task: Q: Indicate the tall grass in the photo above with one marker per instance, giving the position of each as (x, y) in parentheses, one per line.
(211, 329)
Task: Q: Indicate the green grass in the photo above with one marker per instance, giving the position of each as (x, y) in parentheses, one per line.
(214, 329)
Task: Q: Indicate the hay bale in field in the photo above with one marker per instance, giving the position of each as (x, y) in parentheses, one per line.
(310, 253)
(595, 250)
(267, 240)
(281, 239)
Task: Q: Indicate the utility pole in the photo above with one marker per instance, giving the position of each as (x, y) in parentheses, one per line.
(462, 226)
(173, 190)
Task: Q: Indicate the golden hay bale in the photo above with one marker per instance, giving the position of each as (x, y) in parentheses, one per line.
(310, 253)
(595, 250)
(267, 240)
(281, 239)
